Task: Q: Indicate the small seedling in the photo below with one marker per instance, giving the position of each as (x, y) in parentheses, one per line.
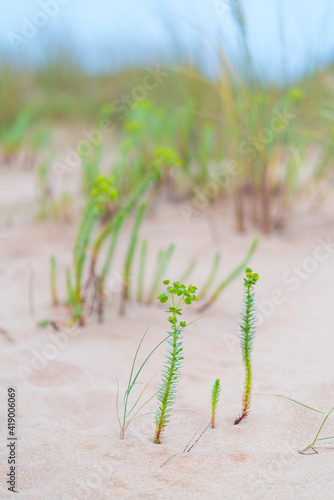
(178, 295)
(214, 401)
(247, 333)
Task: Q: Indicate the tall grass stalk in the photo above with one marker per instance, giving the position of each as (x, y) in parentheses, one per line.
(213, 274)
(101, 195)
(163, 261)
(127, 274)
(141, 273)
(156, 271)
(145, 185)
(70, 301)
(53, 277)
(117, 226)
(188, 272)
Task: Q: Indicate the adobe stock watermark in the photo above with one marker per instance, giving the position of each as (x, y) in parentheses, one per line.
(221, 176)
(31, 27)
(120, 107)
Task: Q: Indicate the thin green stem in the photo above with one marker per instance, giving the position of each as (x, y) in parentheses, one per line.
(131, 251)
(142, 265)
(53, 273)
(320, 429)
(188, 272)
(213, 274)
(231, 277)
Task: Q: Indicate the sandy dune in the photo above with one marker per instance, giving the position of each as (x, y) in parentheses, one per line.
(68, 436)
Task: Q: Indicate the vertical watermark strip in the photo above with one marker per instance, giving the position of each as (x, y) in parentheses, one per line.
(11, 476)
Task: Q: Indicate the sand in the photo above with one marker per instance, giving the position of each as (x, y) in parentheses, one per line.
(68, 435)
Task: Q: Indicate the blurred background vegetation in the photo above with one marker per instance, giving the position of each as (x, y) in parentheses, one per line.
(263, 143)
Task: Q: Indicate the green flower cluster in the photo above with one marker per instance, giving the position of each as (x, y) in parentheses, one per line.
(185, 295)
(167, 157)
(103, 192)
(296, 94)
(251, 278)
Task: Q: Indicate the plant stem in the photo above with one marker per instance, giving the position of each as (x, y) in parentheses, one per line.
(231, 277)
(207, 285)
(188, 272)
(142, 263)
(130, 254)
(160, 269)
(54, 294)
(316, 437)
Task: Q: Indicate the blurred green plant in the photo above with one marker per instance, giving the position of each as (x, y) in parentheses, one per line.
(178, 295)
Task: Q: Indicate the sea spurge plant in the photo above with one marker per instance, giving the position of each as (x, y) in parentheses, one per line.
(102, 194)
(247, 333)
(126, 209)
(214, 401)
(177, 295)
(167, 157)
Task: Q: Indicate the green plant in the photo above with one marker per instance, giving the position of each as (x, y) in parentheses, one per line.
(130, 254)
(101, 195)
(128, 415)
(160, 270)
(231, 277)
(188, 272)
(316, 439)
(178, 295)
(142, 264)
(318, 433)
(53, 274)
(118, 223)
(148, 181)
(90, 168)
(44, 194)
(213, 274)
(70, 301)
(247, 333)
(12, 137)
(214, 401)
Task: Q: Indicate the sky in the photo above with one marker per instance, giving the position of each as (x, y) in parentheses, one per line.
(286, 37)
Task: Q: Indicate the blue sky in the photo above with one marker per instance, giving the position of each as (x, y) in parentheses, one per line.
(107, 33)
